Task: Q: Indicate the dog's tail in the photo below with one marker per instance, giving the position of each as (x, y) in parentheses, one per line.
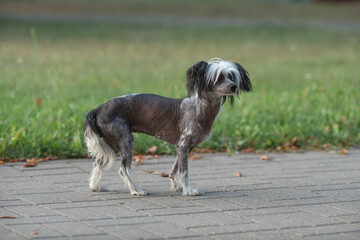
(98, 149)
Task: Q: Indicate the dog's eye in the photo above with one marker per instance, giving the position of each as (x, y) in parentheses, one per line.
(221, 78)
(231, 77)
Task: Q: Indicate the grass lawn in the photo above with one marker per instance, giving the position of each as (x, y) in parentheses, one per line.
(306, 83)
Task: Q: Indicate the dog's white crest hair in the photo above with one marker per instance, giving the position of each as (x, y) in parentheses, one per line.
(217, 66)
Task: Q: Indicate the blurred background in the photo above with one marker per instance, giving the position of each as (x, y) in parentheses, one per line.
(61, 58)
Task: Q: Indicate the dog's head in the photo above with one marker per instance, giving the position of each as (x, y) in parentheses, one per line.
(224, 79)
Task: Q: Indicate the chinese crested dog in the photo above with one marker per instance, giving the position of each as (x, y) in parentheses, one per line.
(182, 122)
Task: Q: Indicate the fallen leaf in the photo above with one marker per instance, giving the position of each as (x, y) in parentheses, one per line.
(204, 150)
(38, 101)
(265, 158)
(151, 172)
(344, 151)
(1, 162)
(8, 217)
(278, 148)
(326, 145)
(195, 157)
(164, 175)
(34, 232)
(151, 151)
(238, 174)
(248, 150)
(138, 158)
(30, 164)
(294, 141)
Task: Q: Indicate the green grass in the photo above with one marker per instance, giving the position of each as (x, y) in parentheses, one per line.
(306, 82)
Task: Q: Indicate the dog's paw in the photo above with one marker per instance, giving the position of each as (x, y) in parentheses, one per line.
(176, 189)
(139, 192)
(175, 186)
(191, 192)
(99, 189)
(95, 189)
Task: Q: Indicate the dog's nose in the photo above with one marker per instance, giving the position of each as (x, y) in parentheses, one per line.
(233, 88)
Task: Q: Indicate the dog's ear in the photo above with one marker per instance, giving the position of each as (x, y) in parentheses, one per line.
(245, 83)
(195, 79)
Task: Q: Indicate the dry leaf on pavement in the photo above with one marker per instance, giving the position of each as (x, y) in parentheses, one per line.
(265, 158)
(151, 151)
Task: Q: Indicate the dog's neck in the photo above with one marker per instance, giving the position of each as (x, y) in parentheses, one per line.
(207, 110)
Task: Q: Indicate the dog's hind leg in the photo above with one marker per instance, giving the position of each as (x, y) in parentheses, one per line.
(125, 144)
(103, 155)
(125, 171)
(95, 176)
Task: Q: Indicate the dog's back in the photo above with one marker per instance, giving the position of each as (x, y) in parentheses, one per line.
(142, 113)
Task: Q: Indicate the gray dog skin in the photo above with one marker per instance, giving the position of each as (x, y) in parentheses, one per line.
(182, 122)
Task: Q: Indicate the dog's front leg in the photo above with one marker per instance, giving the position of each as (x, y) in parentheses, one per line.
(174, 178)
(182, 159)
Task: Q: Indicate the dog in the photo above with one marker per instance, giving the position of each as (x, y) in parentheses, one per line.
(182, 122)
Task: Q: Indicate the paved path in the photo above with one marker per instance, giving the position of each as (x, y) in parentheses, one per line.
(293, 196)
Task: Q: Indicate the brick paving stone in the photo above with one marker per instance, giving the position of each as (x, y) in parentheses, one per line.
(219, 204)
(262, 211)
(130, 232)
(312, 219)
(10, 171)
(37, 199)
(37, 220)
(121, 221)
(74, 229)
(177, 211)
(336, 236)
(294, 196)
(240, 228)
(169, 202)
(323, 209)
(185, 221)
(7, 234)
(6, 197)
(73, 197)
(31, 211)
(116, 212)
(253, 202)
(168, 230)
(136, 204)
(67, 205)
(35, 231)
(37, 190)
(349, 218)
(221, 218)
(14, 203)
(279, 222)
(237, 236)
(277, 234)
(328, 230)
(81, 214)
(305, 201)
(94, 237)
